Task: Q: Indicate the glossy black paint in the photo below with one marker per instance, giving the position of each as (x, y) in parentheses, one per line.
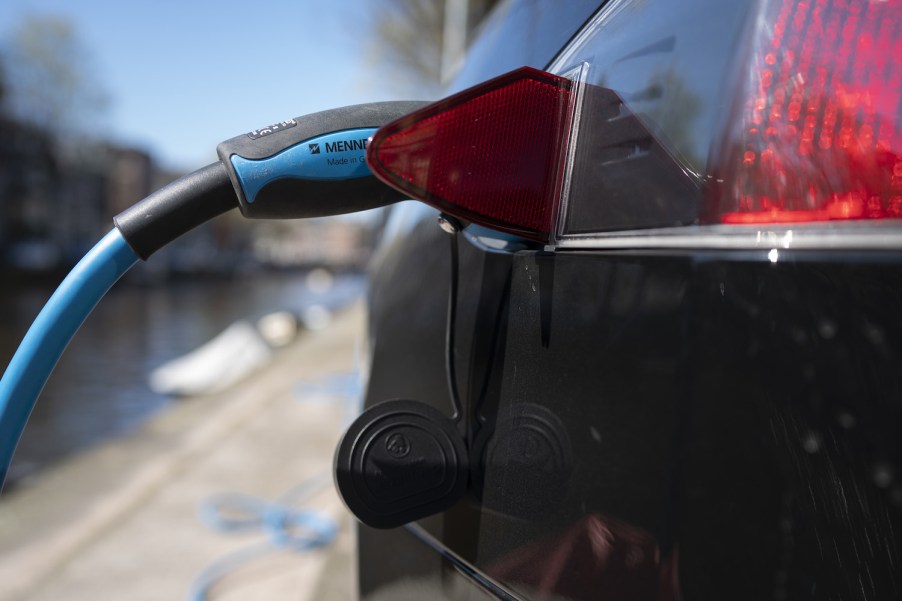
(684, 424)
(732, 423)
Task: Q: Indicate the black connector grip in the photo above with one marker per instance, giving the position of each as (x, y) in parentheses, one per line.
(176, 209)
(312, 166)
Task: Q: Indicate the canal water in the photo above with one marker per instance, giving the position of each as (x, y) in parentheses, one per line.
(99, 388)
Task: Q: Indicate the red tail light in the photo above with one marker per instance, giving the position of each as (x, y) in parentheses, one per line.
(817, 137)
(492, 154)
(815, 133)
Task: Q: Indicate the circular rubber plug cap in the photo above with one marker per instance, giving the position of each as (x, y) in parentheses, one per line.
(400, 461)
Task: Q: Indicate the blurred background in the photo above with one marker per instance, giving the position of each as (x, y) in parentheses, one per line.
(146, 417)
(101, 103)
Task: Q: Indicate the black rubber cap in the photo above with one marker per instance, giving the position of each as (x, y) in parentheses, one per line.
(400, 461)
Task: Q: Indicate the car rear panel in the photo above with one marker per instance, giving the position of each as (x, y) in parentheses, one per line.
(731, 421)
(710, 418)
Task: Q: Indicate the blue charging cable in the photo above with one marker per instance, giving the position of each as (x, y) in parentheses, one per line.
(298, 188)
(287, 526)
(140, 231)
(51, 332)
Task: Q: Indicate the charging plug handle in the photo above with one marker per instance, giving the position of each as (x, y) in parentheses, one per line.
(312, 166)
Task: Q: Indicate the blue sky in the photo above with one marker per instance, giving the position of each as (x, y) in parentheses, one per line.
(184, 75)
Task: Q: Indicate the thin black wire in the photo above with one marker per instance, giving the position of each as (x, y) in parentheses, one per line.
(451, 326)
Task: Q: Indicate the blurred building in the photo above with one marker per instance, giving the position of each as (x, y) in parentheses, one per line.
(334, 242)
(131, 176)
(57, 199)
(29, 177)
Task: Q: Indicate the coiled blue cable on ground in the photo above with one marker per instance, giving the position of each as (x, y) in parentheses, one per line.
(286, 525)
(51, 332)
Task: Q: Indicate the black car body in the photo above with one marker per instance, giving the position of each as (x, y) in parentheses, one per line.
(656, 407)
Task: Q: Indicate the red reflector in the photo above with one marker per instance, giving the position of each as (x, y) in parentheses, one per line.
(819, 135)
(492, 154)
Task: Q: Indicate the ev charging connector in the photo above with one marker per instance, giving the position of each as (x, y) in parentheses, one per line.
(311, 166)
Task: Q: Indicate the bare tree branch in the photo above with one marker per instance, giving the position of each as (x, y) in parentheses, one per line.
(410, 37)
(50, 78)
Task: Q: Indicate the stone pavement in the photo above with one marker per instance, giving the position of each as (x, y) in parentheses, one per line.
(121, 521)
